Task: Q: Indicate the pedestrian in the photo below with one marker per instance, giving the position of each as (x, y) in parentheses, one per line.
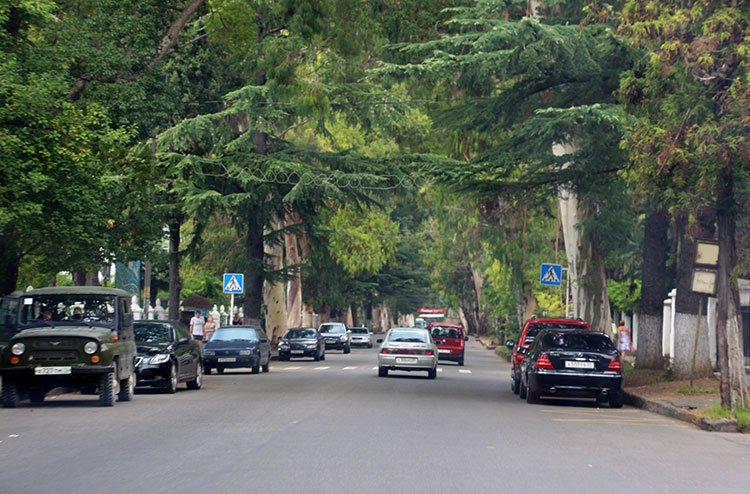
(237, 320)
(196, 327)
(209, 327)
(623, 339)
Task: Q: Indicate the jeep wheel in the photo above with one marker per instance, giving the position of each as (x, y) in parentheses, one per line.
(127, 388)
(108, 385)
(198, 381)
(10, 395)
(171, 386)
(37, 395)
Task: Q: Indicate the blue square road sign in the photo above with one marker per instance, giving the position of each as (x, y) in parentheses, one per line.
(551, 274)
(233, 283)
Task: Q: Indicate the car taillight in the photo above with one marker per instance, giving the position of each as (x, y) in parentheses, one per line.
(543, 362)
(615, 365)
(386, 351)
(429, 352)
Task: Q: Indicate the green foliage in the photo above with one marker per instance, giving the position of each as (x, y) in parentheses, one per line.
(205, 284)
(624, 295)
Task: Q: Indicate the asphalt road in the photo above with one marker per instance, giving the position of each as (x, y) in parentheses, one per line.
(336, 427)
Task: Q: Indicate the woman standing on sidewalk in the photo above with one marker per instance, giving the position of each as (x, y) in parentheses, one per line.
(209, 327)
(623, 339)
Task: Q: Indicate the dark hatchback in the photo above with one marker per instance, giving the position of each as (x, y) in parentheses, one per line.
(235, 347)
(167, 356)
(336, 336)
(302, 342)
(572, 363)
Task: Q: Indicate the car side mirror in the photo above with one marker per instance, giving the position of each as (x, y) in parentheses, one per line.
(466, 338)
(380, 340)
(510, 344)
(182, 341)
(348, 331)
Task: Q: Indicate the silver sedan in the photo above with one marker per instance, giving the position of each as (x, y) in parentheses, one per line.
(408, 349)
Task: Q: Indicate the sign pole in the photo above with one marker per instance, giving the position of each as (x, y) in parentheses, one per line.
(231, 311)
(567, 290)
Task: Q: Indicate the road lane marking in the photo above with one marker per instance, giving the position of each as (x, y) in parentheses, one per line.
(464, 371)
(322, 368)
(440, 369)
(375, 368)
(651, 423)
(291, 368)
(349, 368)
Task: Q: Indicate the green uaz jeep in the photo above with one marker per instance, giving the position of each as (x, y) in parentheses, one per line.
(73, 337)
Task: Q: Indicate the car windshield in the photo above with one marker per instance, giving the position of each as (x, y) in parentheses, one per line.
(596, 342)
(152, 333)
(445, 332)
(299, 334)
(408, 336)
(332, 328)
(359, 330)
(235, 334)
(51, 310)
(536, 327)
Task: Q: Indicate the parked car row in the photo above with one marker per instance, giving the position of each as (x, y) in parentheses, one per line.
(563, 357)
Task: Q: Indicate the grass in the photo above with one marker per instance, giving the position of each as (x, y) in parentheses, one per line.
(742, 415)
(697, 390)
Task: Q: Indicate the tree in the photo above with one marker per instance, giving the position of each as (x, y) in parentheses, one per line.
(690, 141)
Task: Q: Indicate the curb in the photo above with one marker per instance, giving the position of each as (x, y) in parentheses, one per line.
(662, 408)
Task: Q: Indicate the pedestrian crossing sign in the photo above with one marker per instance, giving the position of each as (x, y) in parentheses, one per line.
(551, 274)
(234, 283)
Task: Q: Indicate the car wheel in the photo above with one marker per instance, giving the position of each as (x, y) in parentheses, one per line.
(198, 381)
(37, 395)
(432, 373)
(461, 363)
(317, 357)
(220, 370)
(127, 388)
(616, 400)
(514, 385)
(108, 385)
(383, 371)
(207, 370)
(532, 396)
(256, 368)
(10, 395)
(369, 345)
(171, 386)
(521, 390)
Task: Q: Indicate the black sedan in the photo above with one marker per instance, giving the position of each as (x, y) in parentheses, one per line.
(234, 347)
(572, 363)
(167, 356)
(302, 342)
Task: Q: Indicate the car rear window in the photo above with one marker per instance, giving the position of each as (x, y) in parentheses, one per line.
(577, 341)
(445, 332)
(534, 328)
(408, 336)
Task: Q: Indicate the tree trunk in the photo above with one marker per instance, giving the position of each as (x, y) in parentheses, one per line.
(274, 296)
(255, 255)
(686, 319)
(728, 318)
(175, 284)
(653, 290)
(293, 262)
(10, 261)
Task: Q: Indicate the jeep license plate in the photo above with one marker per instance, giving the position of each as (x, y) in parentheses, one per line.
(51, 371)
(227, 359)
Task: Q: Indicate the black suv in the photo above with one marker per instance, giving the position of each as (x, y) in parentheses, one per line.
(74, 337)
(336, 336)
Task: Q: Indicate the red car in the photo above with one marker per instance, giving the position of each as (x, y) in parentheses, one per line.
(529, 332)
(449, 339)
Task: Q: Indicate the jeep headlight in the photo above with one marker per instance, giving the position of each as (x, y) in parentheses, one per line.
(160, 359)
(90, 348)
(18, 349)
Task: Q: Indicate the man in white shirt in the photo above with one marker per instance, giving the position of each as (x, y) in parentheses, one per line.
(196, 327)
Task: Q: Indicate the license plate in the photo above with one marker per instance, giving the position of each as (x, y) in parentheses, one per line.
(440, 350)
(298, 351)
(579, 365)
(51, 371)
(406, 361)
(227, 359)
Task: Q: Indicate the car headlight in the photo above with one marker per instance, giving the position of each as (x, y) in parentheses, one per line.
(90, 348)
(18, 349)
(245, 352)
(310, 345)
(343, 338)
(160, 359)
(283, 346)
(209, 353)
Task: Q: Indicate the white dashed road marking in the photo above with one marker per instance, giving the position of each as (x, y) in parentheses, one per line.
(350, 368)
(440, 369)
(291, 368)
(322, 368)
(464, 371)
